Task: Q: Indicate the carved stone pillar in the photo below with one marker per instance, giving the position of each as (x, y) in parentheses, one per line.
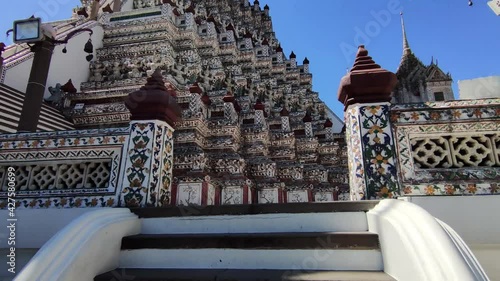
(149, 158)
(366, 91)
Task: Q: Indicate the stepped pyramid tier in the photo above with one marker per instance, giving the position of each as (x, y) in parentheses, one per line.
(419, 82)
(251, 129)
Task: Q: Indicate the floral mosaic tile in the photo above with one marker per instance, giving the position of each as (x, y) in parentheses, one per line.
(452, 189)
(138, 164)
(447, 104)
(63, 202)
(356, 166)
(166, 175)
(148, 169)
(371, 152)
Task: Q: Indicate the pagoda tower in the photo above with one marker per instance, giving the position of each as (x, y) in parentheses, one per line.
(252, 128)
(418, 82)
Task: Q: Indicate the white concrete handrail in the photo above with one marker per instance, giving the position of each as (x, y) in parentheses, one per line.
(88, 246)
(415, 246)
(465, 251)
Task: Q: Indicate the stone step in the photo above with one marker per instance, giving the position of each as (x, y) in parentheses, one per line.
(253, 209)
(261, 223)
(284, 259)
(288, 240)
(141, 274)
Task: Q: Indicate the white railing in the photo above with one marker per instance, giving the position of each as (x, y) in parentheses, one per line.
(415, 246)
(88, 246)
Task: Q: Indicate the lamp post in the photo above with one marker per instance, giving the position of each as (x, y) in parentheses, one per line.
(41, 39)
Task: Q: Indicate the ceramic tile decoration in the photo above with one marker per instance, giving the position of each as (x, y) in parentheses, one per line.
(189, 194)
(269, 196)
(63, 169)
(167, 159)
(297, 196)
(371, 152)
(357, 181)
(448, 148)
(323, 196)
(145, 174)
(229, 116)
(232, 195)
(263, 133)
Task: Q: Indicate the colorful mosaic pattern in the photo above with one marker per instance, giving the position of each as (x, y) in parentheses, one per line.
(166, 176)
(372, 155)
(355, 154)
(447, 104)
(438, 115)
(64, 202)
(150, 146)
(461, 140)
(78, 156)
(452, 189)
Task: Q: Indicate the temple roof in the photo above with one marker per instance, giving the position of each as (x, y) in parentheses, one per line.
(412, 68)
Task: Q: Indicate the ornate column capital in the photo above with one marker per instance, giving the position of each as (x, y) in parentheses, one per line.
(367, 82)
(154, 101)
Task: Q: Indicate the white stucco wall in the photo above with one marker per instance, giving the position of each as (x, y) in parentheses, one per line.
(480, 88)
(71, 65)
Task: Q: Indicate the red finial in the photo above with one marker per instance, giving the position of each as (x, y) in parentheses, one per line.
(367, 82)
(307, 118)
(284, 112)
(328, 123)
(228, 97)
(258, 105)
(206, 99)
(68, 87)
(195, 88)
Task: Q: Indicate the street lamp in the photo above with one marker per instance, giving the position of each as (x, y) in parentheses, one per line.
(41, 39)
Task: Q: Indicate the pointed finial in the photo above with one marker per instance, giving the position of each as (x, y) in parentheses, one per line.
(432, 60)
(406, 46)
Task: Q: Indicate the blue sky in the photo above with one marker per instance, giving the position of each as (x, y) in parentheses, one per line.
(465, 40)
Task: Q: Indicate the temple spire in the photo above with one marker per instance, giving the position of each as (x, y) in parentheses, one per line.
(406, 46)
